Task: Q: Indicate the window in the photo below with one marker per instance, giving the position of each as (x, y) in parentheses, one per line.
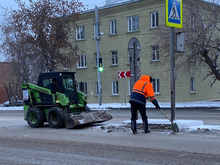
(114, 58)
(81, 63)
(113, 29)
(95, 58)
(94, 32)
(114, 87)
(82, 87)
(80, 33)
(192, 54)
(156, 85)
(96, 88)
(46, 83)
(192, 84)
(192, 20)
(155, 53)
(154, 19)
(133, 23)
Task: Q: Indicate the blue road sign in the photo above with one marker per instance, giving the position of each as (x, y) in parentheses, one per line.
(174, 13)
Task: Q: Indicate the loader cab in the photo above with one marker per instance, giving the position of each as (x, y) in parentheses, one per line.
(62, 82)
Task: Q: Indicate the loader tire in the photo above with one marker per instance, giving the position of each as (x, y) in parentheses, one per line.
(87, 109)
(56, 117)
(35, 117)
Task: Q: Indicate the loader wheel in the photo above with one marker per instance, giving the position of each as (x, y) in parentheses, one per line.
(35, 117)
(56, 117)
(87, 109)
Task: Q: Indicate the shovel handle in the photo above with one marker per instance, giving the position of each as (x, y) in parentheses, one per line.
(165, 115)
(161, 111)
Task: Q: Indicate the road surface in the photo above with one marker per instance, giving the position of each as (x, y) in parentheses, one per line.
(109, 143)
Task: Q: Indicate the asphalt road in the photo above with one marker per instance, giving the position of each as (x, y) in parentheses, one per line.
(108, 143)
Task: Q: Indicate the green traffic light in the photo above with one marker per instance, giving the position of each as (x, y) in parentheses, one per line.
(101, 69)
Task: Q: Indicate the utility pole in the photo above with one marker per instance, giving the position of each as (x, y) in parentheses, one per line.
(172, 73)
(97, 37)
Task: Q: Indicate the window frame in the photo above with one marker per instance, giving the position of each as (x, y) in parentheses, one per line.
(96, 87)
(81, 63)
(94, 35)
(154, 19)
(95, 58)
(114, 57)
(131, 23)
(80, 33)
(156, 85)
(155, 56)
(192, 54)
(84, 87)
(113, 27)
(192, 85)
(192, 20)
(114, 87)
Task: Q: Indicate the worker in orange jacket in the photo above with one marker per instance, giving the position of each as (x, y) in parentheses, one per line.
(142, 90)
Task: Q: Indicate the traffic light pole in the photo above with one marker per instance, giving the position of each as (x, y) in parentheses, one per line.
(97, 37)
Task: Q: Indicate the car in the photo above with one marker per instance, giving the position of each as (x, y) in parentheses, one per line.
(18, 103)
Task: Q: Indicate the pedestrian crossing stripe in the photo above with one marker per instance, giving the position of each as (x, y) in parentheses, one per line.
(174, 13)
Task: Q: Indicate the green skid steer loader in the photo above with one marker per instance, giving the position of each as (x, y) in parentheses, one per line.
(55, 100)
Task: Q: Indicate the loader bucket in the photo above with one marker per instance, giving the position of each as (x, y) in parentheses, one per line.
(73, 120)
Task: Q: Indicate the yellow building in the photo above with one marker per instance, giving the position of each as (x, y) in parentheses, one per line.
(119, 23)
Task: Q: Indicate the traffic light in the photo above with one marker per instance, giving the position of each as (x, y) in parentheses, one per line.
(100, 65)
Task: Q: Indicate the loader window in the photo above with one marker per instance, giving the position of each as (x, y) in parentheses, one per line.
(68, 84)
(46, 83)
(70, 88)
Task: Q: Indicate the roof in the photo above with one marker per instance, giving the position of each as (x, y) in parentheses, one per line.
(112, 5)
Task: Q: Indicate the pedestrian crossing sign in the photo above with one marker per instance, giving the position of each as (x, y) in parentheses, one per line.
(174, 16)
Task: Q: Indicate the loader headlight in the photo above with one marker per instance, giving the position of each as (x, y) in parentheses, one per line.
(25, 94)
(57, 100)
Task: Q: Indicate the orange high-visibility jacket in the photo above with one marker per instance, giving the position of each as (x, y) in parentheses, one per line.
(142, 90)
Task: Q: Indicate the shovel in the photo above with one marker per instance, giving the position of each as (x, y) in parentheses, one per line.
(174, 125)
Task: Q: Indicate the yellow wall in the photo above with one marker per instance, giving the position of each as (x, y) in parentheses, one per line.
(119, 42)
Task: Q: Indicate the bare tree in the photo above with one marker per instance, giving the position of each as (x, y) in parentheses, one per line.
(36, 36)
(202, 38)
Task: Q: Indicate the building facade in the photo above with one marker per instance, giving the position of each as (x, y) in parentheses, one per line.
(119, 23)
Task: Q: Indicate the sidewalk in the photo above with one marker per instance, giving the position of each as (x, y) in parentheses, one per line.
(107, 106)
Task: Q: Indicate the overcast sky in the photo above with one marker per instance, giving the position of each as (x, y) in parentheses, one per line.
(89, 3)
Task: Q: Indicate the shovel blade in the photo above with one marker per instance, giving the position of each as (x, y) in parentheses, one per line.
(175, 127)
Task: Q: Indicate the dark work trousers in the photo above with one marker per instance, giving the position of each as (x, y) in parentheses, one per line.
(142, 110)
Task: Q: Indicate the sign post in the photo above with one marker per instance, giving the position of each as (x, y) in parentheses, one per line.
(174, 18)
(134, 48)
(124, 74)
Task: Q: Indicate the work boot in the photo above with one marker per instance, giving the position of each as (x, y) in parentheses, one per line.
(146, 130)
(134, 126)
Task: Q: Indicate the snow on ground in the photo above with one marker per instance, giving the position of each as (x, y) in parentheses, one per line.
(208, 104)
